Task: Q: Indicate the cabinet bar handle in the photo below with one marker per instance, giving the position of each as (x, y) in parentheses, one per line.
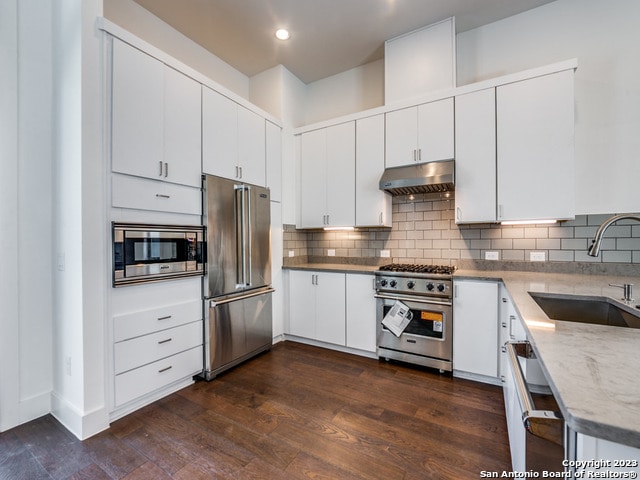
(160, 173)
(164, 369)
(164, 341)
(164, 318)
(381, 218)
(419, 154)
(166, 169)
(240, 172)
(415, 155)
(160, 195)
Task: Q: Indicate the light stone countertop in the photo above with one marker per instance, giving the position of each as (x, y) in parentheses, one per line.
(593, 370)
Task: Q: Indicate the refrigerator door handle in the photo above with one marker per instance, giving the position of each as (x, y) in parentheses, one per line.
(247, 239)
(216, 303)
(240, 235)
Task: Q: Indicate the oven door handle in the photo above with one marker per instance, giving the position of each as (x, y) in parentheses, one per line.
(545, 424)
(407, 298)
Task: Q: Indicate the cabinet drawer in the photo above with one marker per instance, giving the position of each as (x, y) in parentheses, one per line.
(153, 376)
(139, 351)
(135, 324)
(143, 194)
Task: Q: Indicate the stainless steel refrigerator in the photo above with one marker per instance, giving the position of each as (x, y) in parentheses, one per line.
(237, 282)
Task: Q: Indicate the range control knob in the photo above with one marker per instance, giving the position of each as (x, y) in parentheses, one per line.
(430, 286)
(441, 287)
(383, 283)
(411, 284)
(393, 283)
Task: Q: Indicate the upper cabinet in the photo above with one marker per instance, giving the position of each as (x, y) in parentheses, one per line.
(373, 206)
(327, 177)
(514, 151)
(233, 140)
(475, 176)
(156, 115)
(420, 134)
(535, 127)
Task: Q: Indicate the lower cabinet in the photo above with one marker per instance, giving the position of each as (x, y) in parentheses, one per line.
(475, 328)
(157, 339)
(334, 308)
(361, 312)
(317, 308)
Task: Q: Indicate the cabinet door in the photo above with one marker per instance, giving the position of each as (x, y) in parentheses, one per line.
(341, 175)
(535, 125)
(313, 171)
(274, 160)
(475, 139)
(302, 304)
(330, 307)
(219, 134)
(435, 131)
(475, 328)
(361, 312)
(251, 147)
(137, 112)
(373, 206)
(182, 128)
(401, 137)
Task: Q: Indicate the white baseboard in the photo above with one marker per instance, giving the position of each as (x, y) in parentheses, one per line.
(82, 425)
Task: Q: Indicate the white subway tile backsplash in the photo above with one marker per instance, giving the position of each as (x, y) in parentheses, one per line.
(424, 231)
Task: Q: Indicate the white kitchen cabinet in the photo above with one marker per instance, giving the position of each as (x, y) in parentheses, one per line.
(475, 328)
(274, 161)
(418, 134)
(511, 330)
(317, 306)
(142, 194)
(535, 160)
(361, 312)
(156, 118)
(475, 163)
(373, 206)
(327, 177)
(622, 458)
(156, 334)
(233, 140)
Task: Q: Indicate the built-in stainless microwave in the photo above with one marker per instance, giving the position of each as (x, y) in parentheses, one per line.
(149, 253)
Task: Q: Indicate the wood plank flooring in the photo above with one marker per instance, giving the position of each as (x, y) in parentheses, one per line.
(296, 412)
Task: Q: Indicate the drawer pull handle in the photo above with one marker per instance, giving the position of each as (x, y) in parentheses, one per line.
(164, 318)
(160, 195)
(164, 369)
(164, 341)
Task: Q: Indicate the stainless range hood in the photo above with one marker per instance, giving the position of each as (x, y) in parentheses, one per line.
(426, 177)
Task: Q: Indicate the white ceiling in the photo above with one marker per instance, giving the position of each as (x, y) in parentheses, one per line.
(327, 36)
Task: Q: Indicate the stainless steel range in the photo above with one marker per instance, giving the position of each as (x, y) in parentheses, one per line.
(426, 290)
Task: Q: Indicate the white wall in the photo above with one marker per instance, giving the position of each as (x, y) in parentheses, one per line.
(80, 221)
(604, 36)
(355, 90)
(142, 23)
(25, 211)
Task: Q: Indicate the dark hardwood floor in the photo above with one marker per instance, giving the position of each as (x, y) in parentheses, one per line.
(296, 412)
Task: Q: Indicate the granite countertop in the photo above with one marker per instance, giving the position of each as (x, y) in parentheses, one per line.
(593, 370)
(334, 267)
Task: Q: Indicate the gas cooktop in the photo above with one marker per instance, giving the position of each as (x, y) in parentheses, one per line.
(413, 268)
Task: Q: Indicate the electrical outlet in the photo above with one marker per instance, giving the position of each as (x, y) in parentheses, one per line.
(537, 256)
(331, 252)
(291, 253)
(67, 365)
(491, 255)
(385, 253)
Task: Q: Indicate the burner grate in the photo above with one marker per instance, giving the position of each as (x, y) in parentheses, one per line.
(413, 268)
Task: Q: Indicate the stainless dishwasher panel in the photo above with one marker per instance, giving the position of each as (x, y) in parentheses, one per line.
(236, 328)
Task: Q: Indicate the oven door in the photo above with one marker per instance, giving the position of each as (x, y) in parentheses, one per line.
(426, 340)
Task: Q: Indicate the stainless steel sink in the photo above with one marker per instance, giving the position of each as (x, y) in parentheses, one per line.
(585, 309)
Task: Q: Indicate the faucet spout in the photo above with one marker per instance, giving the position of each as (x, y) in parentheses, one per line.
(594, 249)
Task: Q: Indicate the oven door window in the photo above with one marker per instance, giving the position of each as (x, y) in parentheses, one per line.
(425, 322)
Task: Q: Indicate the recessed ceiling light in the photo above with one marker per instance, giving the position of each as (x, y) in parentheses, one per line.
(282, 34)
